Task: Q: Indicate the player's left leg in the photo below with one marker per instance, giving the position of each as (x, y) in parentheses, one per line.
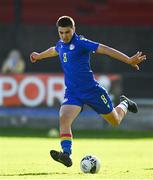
(118, 113)
(100, 101)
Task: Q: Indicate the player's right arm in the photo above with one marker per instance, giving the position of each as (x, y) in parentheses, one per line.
(51, 52)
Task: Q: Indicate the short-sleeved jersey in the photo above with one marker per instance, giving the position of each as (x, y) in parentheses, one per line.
(75, 60)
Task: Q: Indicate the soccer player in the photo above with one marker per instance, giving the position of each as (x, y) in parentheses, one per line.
(81, 87)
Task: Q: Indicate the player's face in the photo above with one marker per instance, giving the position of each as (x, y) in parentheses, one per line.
(66, 33)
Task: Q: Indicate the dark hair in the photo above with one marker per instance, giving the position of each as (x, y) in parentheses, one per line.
(65, 21)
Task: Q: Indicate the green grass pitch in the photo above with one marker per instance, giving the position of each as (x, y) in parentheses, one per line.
(121, 157)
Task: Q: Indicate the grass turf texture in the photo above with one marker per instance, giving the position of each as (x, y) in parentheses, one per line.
(24, 154)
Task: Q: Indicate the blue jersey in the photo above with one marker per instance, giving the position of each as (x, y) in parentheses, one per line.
(75, 60)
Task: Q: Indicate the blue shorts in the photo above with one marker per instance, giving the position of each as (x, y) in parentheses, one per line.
(97, 98)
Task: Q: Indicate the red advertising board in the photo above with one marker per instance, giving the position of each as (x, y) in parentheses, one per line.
(33, 90)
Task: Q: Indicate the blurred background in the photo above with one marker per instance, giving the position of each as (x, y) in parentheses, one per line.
(30, 94)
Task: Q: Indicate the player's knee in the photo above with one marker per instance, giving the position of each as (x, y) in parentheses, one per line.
(115, 123)
(64, 119)
(112, 118)
(64, 116)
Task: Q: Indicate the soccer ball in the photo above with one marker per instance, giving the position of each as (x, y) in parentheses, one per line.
(90, 164)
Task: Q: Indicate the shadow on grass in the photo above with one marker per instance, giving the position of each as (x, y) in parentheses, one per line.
(34, 174)
(150, 169)
(38, 174)
(43, 133)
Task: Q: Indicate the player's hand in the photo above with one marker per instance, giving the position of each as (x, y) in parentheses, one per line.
(34, 56)
(137, 59)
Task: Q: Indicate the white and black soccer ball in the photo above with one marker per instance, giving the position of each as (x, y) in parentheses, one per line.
(90, 164)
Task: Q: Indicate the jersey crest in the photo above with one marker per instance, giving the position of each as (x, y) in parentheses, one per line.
(72, 46)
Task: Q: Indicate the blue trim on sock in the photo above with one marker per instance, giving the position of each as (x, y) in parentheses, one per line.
(66, 146)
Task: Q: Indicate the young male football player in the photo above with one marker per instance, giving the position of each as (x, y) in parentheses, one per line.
(81, 87)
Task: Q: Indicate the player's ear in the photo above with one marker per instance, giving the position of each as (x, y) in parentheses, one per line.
(74, 28)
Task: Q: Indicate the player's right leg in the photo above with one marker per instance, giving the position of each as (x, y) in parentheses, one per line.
(67, 115)
(69, 110)
(118, 113)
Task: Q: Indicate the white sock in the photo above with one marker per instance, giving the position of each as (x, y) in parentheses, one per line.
(124, 106)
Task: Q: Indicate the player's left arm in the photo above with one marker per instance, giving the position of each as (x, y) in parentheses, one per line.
(133, 61)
